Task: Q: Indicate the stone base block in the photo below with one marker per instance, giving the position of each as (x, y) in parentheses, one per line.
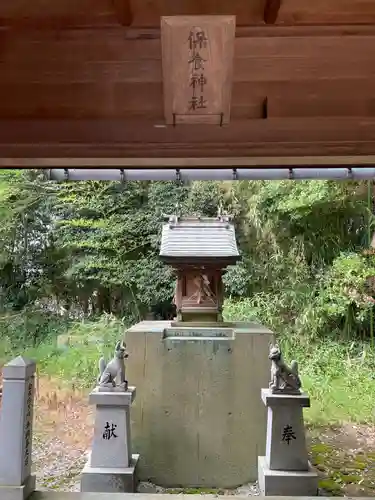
(108, 480)
(286, 483)
(18, 492)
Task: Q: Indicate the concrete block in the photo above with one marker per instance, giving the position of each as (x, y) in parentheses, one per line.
(198, 420)
(286, 483)
(110, 480)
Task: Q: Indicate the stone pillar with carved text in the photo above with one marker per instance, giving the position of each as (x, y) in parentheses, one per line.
(111, 467)
(16, 422)
(286, 470)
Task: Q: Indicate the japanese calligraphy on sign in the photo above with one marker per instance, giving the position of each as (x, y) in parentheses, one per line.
(197, 43)
(288, 434)
(28, 423)
(109, 431)
(197, 68)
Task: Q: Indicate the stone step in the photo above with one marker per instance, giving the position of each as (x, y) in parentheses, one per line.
(55, 495)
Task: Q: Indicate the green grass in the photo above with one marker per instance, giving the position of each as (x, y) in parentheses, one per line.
(339, 377)
(77, 363)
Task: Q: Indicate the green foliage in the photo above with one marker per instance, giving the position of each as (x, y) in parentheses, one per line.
(81, 250)
(81, 259)
(75, 363)
(303, 269)
(91, 247)
(334, 373)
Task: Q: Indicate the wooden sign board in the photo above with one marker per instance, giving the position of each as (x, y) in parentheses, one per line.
(197, 55)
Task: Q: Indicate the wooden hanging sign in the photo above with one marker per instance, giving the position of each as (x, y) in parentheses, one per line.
(197, 55)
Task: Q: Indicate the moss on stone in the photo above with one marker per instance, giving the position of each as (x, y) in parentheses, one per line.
(350, 478)
(195, 491)
(341, 471)
(330, 486)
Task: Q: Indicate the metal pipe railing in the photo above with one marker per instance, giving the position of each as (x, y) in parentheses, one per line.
(216, 174)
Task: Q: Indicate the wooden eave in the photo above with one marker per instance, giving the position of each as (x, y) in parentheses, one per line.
(184, 263)
(278, 137)
(84, 81)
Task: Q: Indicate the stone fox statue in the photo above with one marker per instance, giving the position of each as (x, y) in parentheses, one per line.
(108, 373)
(284, 379)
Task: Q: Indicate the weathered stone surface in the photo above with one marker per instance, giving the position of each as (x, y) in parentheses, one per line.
(111, 445)
(57, 495)
(112, 374)
(286, 442)
(284, 379)
(111, 467)
(285, 470)
(273, 400)
(191, 331)
(19, 368)
(16, 422)
(110, 480)
(18, 492)
(198, 419)
(115, 398)
(286, 483)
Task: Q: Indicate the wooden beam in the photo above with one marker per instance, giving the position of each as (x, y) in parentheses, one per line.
(123, 12)
(183, 151)
(271, 11)
(141, 133)
(145, 139)
(206, 163)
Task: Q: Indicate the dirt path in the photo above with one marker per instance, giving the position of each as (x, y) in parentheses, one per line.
(63, 432)
(344, 456)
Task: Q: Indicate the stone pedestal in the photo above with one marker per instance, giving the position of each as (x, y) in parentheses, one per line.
(199, 421)
(16, 422)
(111, 464)
(285, 470)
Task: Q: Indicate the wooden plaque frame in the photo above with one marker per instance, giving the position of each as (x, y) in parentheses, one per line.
(185, 39)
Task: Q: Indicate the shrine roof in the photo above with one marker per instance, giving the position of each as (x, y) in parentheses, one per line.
(202, 238)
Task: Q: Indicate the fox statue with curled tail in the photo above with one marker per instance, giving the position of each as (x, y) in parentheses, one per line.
(112, 374)
(284, 379)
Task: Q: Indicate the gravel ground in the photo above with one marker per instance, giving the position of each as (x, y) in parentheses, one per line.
(58, 467)
(62, 438)
(63, 433)
(250, 489)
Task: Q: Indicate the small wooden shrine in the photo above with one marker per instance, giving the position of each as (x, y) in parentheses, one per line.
(199, 249)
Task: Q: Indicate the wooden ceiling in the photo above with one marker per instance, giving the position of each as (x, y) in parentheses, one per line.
(146, 13)
(83, 78)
